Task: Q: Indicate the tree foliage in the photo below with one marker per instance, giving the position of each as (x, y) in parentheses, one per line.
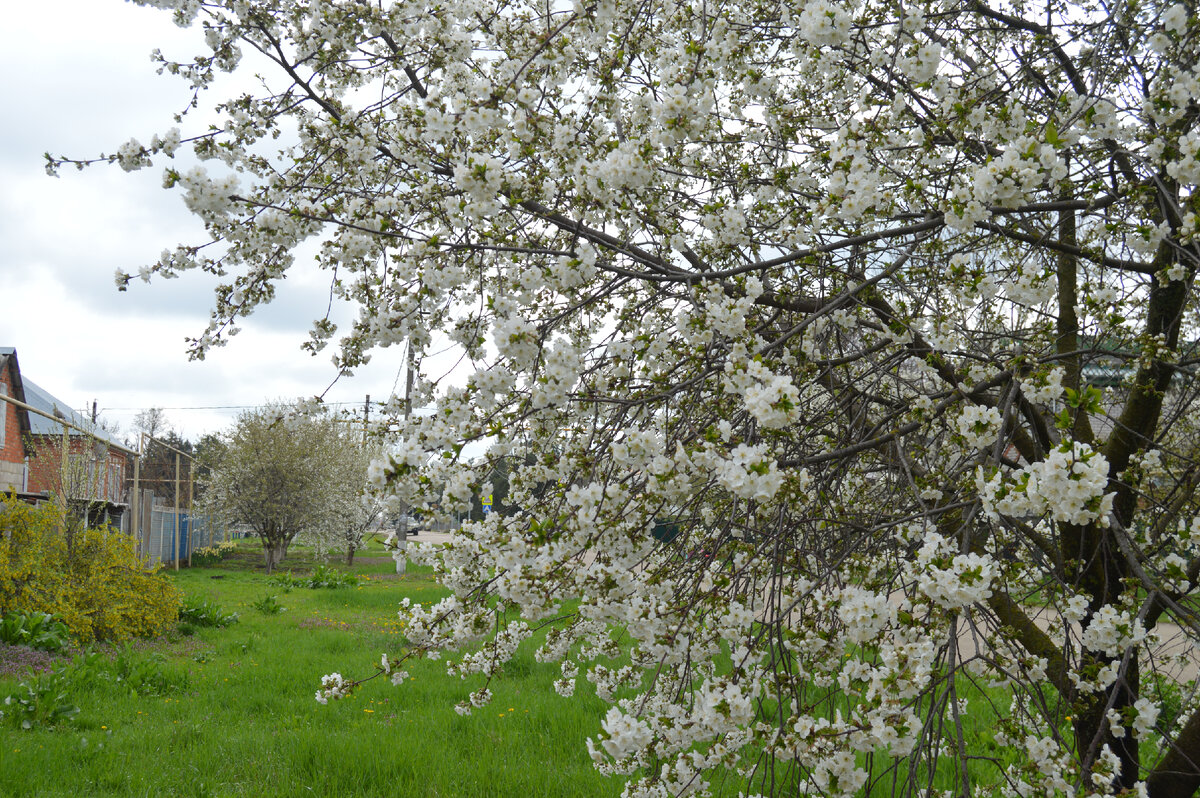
(829, 285)
(286, 473)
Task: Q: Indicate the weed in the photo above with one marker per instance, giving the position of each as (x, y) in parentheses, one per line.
(17, 660)
(39, 630)
(140, 673)
(269, 605)
(321, 576)
(145, 673)
(40, 702)
(204, 612)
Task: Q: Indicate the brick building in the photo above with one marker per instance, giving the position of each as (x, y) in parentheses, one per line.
(92, 469)
(42, 456)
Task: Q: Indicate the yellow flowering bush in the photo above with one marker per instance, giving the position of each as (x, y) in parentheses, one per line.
(98, 585)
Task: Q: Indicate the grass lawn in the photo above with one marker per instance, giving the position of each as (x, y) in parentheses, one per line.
(225, 711)
(230, 711)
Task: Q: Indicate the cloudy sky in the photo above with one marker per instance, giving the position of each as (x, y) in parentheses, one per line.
(78, 81)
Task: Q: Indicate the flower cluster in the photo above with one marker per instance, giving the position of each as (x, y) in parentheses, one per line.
(951, 580)
(979, 425)
(1044, 388)
(773, 399)
(205, 196)
(333, 686)
(751, 473)
(1112, 630)
(1070, 485)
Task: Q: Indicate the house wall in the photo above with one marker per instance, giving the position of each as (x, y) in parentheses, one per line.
(12, 453)
(87, 477)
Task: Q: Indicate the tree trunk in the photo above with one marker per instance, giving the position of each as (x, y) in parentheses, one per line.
(349, 555)
(273, 552)
(1178, 774)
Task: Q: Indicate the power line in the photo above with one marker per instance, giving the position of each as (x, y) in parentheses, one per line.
(354, 403)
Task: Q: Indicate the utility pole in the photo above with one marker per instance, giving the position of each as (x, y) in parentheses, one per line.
(402, 553)
(366, 416)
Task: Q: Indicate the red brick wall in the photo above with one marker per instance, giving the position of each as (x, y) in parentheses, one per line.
(13, 452)
(46, 463)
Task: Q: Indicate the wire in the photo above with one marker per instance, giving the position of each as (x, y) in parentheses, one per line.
(352, 403)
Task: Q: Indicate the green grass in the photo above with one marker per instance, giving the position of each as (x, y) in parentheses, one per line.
(234, 712)
(229, 710)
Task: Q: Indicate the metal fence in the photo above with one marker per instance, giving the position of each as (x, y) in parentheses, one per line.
(171, 534)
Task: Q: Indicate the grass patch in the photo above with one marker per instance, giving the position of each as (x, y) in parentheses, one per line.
(229, 710)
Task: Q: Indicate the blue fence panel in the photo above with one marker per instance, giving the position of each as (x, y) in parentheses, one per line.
(196, 531)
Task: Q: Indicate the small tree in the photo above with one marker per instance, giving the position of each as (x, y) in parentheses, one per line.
(352, 507)
(159, 462)
(283, 473)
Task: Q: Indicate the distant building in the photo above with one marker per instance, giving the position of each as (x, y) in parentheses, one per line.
(95, 470)
(41, 456)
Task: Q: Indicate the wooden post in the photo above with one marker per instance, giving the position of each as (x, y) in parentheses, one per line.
(135, 501)
(63, 477)
(191, 509)
(146, 507)
(176, 549)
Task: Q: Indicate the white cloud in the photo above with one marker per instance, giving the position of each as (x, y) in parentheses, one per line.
(79, 81)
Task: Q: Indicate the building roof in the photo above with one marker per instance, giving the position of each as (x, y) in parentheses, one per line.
(8, 355)
(41, 399)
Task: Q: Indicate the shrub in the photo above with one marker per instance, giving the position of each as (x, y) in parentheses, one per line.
(93, 581)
